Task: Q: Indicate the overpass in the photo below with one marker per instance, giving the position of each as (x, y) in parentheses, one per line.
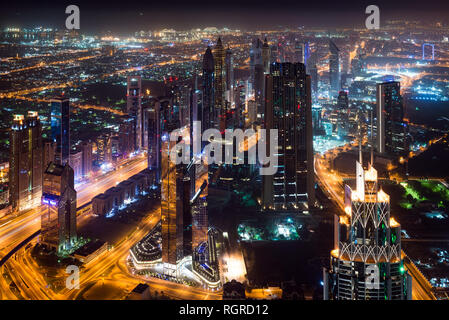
(80, 211)
(18, 247)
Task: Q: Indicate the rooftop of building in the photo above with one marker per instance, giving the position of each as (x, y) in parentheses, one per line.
(89, 248)
(54, 169)
(140, 288)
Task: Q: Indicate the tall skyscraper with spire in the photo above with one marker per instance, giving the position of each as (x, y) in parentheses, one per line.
(289, 110)
(367, 261)
(219, 81)
(207, 108)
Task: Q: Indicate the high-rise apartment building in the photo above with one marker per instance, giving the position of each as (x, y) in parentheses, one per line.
(25, 162)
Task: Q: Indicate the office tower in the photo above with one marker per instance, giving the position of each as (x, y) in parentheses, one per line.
(299, 52)
(126, 135)
(49, 153)
(134, 110)
(289, 110)
(219, 81)
(255, 57)
(342, 100)
(358, 64)
(104, 155)
(76, 163)
(175, 209)
(391, 128)
(367, 262)
(86, 148)
(251, 112)
(257, 75)
(274, 56)
(266, 56)
(208, 90)
(183, 95)
(60, 128)
(58, 220)
(312, 70)
(229, 77)
(145, 115)
(115, 147)
(25, 162)
(154, 139)
(334, 71)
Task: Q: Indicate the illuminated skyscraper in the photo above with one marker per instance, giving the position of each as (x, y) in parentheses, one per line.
(104, 154)
(86, 148)
(60, 128)
(49, 153)
(266, 55)
(208, 90)
(134, 110)
(342, 101)
(58, 220)
(391, 128)
(154, 139)
(25, 161)
(257, 77)
(219, 81)
(367, 262)
(300, 52)
(229, 77)
(289, 110)
(175, 209)
(334, 69)
(126, 135)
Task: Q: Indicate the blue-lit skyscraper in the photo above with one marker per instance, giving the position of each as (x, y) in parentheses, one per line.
(60, 128)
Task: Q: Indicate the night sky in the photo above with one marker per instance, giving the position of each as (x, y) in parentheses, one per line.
(125, 17)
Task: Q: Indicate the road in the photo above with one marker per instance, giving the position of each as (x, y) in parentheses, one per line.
(15, 229)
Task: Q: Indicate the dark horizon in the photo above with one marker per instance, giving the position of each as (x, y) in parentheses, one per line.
(100, 17)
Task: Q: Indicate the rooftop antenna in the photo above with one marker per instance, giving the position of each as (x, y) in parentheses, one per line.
(372, 141)
(360, 141)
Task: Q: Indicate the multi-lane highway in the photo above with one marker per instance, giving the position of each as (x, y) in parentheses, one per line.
(15, 229)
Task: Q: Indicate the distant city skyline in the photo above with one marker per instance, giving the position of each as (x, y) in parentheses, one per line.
(102, 17)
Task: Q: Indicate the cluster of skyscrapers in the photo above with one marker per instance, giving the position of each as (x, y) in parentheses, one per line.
(40, 174)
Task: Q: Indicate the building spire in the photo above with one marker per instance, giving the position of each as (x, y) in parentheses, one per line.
(371, 138)
(360, 139)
